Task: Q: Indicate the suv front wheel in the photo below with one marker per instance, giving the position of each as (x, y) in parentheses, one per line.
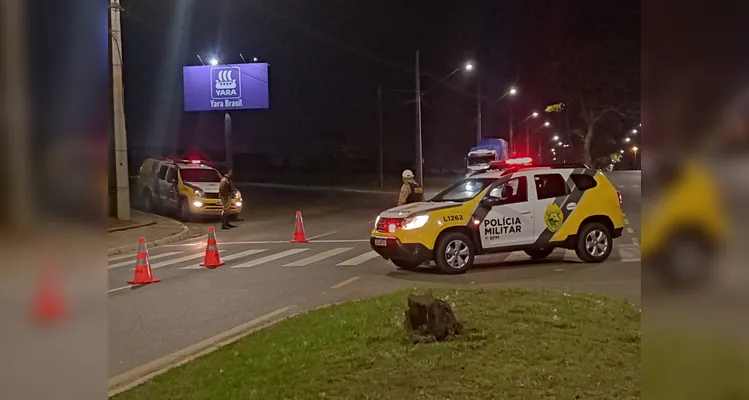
(454, 253)
(594, 243)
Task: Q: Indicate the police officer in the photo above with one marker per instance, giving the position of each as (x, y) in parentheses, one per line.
(411, 192)
(225, 192)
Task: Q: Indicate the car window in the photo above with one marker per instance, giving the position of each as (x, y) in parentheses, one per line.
(162, 172)
(464, 190)
(171, 175)
(584, 182)
(550, 185)
(511, 192)
(200, 175)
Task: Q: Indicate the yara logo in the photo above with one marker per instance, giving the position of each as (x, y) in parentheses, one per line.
(225, 83)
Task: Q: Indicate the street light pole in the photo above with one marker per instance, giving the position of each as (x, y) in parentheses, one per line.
(512, 134)
(379, 112)
(419, 158)
(478, 108)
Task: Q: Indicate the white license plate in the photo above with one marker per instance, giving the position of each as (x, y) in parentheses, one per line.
(218, 202)
(381, 242)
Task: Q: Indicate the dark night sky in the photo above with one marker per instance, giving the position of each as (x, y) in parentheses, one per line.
(327, 58)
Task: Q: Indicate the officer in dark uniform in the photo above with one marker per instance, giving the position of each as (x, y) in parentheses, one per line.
(225, 191)
(411, 192)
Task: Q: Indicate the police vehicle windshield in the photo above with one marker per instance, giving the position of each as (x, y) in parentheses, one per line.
(200, 175)
(464, 190)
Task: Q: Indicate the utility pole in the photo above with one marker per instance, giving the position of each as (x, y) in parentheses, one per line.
(512, 134)
(379, 112)
(478, 108)
(227, 142)
(118, 103)
(419, 157)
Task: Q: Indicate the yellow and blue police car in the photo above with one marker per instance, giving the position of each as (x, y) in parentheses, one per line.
(514, 206)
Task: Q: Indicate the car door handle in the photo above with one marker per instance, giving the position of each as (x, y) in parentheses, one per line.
(526, 213)
(571, 206)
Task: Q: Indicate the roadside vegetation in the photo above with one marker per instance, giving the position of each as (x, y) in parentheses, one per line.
(514, 345)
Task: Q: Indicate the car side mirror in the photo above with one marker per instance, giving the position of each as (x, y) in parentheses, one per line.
(491, 201)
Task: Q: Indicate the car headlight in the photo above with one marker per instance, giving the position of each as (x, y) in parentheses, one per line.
(415, 222)
(199, 193)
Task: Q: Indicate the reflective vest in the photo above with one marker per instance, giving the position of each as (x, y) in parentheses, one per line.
(417, 193)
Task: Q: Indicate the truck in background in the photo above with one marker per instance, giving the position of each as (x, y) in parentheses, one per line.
(485, 152)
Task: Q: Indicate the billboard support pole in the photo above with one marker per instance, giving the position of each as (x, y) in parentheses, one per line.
(227, 142)
(419, 161)
(118, 103)
(379, 113)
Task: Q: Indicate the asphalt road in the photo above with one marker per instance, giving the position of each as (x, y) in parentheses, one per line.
(264, 274)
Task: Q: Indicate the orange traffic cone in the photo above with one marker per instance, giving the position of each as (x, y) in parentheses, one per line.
(143, 273)
(48, 305)
(211, 251)
(299, 235)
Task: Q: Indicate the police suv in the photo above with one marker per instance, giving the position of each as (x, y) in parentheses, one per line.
(511, 207)
(185, 187)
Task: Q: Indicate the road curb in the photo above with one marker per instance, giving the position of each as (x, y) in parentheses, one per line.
(182, 235)
(131, 226)
(139, 375)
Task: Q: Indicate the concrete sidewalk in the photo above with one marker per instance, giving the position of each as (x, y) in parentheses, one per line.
(123, 236)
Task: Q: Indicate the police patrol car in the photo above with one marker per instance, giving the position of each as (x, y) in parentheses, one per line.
(534, 208)
(184, 187)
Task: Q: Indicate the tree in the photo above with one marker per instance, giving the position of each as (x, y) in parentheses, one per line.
(589, 64)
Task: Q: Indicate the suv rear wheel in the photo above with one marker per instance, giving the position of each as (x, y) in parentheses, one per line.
(454, 253)
(594, 243)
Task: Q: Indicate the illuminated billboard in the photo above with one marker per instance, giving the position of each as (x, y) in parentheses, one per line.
(226, 87)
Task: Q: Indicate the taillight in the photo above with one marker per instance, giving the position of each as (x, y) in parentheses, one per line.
(619, 194)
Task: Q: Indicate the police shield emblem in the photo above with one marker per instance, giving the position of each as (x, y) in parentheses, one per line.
(553, 217)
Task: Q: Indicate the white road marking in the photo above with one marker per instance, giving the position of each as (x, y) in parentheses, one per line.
(570, 255)
(360, 259)
(318, 257)
(230, 257)
(177, 260)
(150, 257)
(321, 235)
(134, 377)
(120, 288)
(344, 283)
(269, 258)
(341, 241)
(121, 257)
(272, 242)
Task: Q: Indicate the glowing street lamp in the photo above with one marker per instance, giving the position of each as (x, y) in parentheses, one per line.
(555, 138)
(634, 131)
(560, 143)
(627, 140)
(513, 91)
(469, 66)
(547, 124)
(534, 115)
(635, 148)
(214, 61)
(621, 151)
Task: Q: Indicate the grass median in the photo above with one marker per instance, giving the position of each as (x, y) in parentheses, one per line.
(516, 345)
